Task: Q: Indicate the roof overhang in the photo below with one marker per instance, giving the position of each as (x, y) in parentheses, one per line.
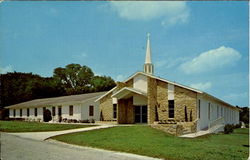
(127, 92)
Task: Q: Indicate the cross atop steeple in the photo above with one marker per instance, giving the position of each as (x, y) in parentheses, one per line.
(148, 66)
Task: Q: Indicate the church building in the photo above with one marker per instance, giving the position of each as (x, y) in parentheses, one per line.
(170, 106)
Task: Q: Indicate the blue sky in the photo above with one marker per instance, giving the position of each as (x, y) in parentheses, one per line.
(200, 44)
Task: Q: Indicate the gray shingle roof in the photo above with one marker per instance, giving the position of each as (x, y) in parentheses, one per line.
(57, 100)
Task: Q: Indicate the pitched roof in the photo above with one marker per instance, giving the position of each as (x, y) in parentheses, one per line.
(164, 80)
(170, 82)
(126, 90)
(57, 100)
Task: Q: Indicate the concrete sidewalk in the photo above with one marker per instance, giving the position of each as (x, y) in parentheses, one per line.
(41, 136)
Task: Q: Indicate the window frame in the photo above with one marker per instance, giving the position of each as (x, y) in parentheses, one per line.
(35, 112)
(21, 113)
(209, 105)
(115, 111)
(171, 109)
(71, 110)
(28, 112)
(53, 111)
(91, 110)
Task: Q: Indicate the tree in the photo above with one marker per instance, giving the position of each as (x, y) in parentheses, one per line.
(244, 115)
(102, 83)
(74, 78)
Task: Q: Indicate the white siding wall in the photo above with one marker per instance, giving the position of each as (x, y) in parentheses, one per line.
(85, 110)
(140, 82)
(76, 111)
(231, 116)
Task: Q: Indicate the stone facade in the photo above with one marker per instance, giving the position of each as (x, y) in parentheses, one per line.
(162, 100)
(185, 98)
(152, 99)
(106, 107)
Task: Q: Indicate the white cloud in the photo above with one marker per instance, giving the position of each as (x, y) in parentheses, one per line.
(202, 86)
(210, 60)
(6, 69)
(120, 78)
(81, 55)
(236, 96)
(170, 12)
(169, 62)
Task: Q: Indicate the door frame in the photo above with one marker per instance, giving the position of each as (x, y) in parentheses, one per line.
(141, 114)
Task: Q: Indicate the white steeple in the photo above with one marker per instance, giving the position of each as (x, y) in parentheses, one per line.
(148, 66)
(148, 51)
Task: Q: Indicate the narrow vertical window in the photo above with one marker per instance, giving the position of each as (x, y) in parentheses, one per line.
(14, 112)
(217, 111)
(53, 111)
(28, 112)
(35, 112)
(208, 111)
(171, 108)
(91, 110)
(221, 111)
(199, 108)
(114, 110)
(71, 110)
(21, 112)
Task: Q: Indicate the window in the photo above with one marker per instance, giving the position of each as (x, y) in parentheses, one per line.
(71, 110)
(35, 112)
(28, 112)
(44, 108)
(199, 108)
(218, 111)
(91, 110)
(114, 110)
(21, 112)
(171, 108)
(208, 111)
(221, 111)
(14, 112)
(53, 111)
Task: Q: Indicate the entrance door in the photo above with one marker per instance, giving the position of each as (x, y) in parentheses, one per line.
(141, 114)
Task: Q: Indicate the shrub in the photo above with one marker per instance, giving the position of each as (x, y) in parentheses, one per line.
(237, 125)
(84, 121)
(92, 121)
(228, 128)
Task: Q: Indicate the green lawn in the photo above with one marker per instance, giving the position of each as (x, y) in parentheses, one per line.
(145, 140)
(19, 126)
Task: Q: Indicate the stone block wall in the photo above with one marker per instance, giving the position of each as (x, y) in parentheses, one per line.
(152, 99)
(106, 108)
(185, 98)
(162, 100)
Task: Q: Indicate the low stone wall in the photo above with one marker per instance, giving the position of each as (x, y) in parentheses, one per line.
(176, 129)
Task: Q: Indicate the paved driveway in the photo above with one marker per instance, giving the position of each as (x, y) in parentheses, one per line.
(14, 147)
(45, 135)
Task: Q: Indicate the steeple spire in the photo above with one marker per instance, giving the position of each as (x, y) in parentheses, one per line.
(148, 51)
(148, 66)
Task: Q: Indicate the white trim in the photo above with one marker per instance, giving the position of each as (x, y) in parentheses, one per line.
(98, 99)
(164, 80)
(131, 90)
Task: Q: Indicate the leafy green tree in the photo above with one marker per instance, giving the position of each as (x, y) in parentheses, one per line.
(244, 115)
(74, 78)
(102, 83)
